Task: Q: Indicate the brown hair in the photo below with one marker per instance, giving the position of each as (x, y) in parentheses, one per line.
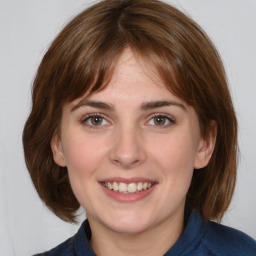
(81, 60)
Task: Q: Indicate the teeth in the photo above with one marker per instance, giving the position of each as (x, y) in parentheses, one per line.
(109, 185)
(115, 186)
(140, 186)
(122, 187)
(128, 188)
(145, 186)
(132, 187)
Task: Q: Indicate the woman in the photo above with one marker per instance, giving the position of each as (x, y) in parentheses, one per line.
(132, 119)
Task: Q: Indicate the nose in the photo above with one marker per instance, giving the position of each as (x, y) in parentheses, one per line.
(127, 149)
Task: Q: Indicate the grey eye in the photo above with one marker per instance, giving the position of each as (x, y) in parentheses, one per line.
(96, 120)
(160, 120)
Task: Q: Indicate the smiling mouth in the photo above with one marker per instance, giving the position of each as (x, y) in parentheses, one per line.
(128, 188)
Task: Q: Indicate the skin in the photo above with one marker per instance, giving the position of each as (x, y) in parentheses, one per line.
(130, 142)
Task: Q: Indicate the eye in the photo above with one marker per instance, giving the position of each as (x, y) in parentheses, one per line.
(161, 120)
(95, 120)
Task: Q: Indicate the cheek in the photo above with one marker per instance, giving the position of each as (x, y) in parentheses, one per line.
(175, 157)
(82, 155)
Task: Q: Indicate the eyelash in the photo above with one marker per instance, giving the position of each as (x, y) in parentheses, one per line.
(166, 117)
(85, 120)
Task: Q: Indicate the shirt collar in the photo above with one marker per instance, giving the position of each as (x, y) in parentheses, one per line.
(191, 237)
(188, 241)
(81, 240)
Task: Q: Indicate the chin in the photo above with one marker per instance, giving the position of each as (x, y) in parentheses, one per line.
(129, 224)
(129, 228)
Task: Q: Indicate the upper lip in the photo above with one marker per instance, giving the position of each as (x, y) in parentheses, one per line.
(128, 180)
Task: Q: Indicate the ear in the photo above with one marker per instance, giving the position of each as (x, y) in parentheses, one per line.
(206, 146)
(57, 151)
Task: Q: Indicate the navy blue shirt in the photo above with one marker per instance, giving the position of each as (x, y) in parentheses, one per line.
(198, 239)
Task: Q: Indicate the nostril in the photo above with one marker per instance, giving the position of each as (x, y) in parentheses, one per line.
(127, 151)
(127, 164)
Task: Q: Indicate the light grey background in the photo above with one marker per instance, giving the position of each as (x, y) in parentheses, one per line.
(26, 29)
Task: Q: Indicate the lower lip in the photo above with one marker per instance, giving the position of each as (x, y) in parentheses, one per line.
(128, 198)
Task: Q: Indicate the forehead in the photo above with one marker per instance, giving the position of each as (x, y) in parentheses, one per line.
(133, 78)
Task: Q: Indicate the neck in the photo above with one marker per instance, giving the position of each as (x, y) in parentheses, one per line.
(162, 236)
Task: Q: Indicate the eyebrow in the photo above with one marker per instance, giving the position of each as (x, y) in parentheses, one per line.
(161, 103)
(94, 104)
(145, 106)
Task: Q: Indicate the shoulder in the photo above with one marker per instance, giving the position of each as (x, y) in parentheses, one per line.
(64, 248)
(76, 245)
(206, 238)
(223, 240)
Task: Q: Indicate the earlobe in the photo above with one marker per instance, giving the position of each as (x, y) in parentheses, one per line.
(206, 147)
(57, 151)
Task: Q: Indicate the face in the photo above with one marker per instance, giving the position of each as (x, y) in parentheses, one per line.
(130, 150)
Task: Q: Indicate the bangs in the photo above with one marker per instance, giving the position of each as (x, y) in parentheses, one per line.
(81, 60)
(87, 70)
